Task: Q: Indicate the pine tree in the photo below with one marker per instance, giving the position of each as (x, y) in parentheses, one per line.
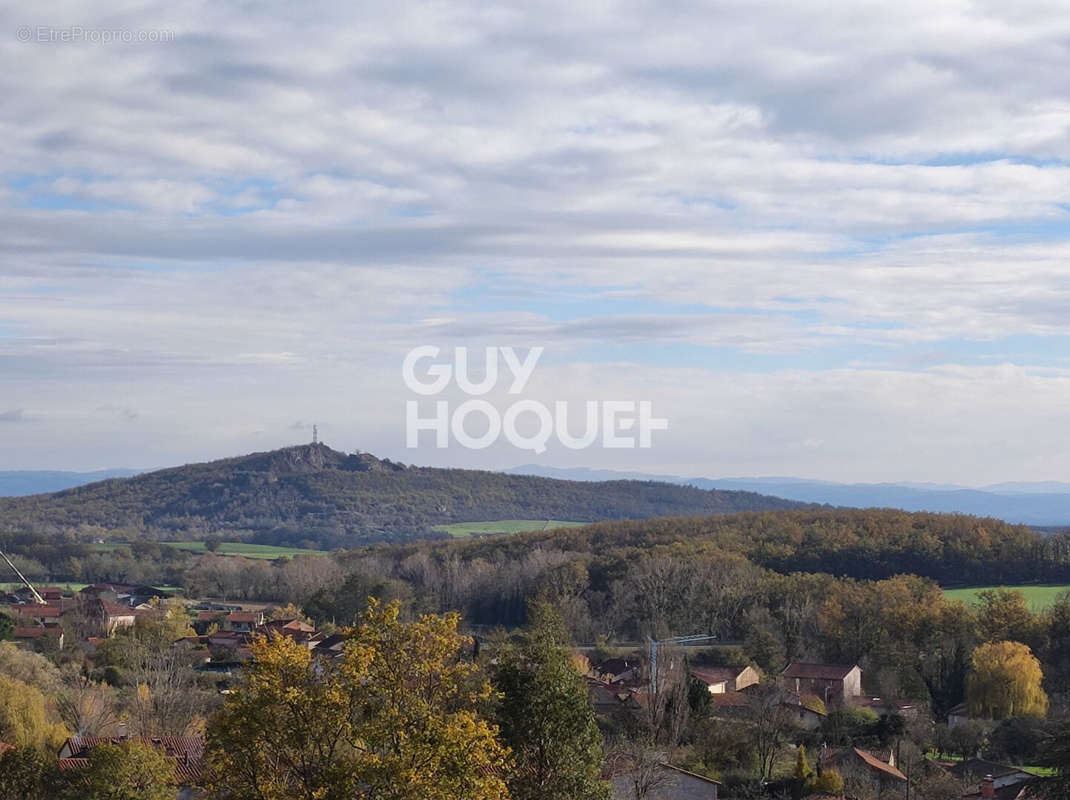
(545, 717)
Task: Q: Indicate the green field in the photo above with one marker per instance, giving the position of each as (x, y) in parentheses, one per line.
(230, 549)
(460, 529)
(1039, 598)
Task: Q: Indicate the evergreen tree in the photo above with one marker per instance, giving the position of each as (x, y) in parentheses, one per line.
(803, 774)
(545, 717)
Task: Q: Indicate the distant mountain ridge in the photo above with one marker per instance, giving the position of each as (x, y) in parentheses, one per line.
(19, 483)
(1045, 504)
(311, 493)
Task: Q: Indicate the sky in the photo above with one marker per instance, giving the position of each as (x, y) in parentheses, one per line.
(821, 239)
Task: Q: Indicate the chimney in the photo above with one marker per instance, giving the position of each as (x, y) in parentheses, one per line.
(988, 787)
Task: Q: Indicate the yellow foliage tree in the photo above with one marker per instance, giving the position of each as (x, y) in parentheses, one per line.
(1006, 681)
(26, 720)
(396, 718)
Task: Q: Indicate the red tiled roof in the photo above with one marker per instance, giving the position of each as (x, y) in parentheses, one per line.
(187, 752)
(210, 616)
(872, 761)
(115, 588)
(243, 616)
(827, 672)
(116, 610)
(33, 631)
(50, 611)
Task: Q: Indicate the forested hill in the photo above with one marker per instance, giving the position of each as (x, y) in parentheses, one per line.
(314, 493)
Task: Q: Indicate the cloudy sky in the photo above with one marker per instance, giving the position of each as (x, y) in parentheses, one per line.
(823, 239)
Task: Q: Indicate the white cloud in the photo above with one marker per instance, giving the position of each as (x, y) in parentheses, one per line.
(296, 195)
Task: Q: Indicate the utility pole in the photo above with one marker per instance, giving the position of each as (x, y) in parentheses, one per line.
(37, 597)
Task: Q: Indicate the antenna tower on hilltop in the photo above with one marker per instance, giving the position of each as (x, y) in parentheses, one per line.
(315, 434)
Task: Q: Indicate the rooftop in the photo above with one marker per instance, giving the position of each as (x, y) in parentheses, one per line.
(827, 672)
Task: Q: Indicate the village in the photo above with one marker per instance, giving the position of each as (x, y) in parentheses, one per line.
(813, 716)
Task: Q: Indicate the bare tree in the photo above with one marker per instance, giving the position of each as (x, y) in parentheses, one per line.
(667, 710)
(89, 708)
(771, 722)
(639, 764)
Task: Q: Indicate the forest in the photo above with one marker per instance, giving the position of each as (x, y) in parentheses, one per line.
(859, 587)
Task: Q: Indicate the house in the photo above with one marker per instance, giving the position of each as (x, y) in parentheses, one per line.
(206, 619)
(37, 637)
(885, 778)
(834, 684)
(186, 751)
(989, 791)
(978, 768)
(1004, 781)
(111, 616)
(296, 629)
(106, 591)
(125, 594)
(808, 711)
(243, 621)
(720, 680)
(47, 615)
(24, 594)
(665, 782)
(332, 646)
(617, 670)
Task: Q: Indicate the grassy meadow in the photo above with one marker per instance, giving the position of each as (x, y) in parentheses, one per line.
(230, 549)
(1039, 598)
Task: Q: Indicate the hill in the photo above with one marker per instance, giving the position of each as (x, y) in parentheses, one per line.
(312, 493)
(1043, 504)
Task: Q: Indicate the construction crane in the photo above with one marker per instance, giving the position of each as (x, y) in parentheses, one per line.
(36, 596)
(655, 644)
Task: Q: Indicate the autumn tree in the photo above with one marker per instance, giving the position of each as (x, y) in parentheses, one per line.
(803, 775)
(397, 717)
(545, 716)
(131, 770)
(26, 720)
(24, 772)
(1004, 615)
(829, 783)
(1005, 682)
